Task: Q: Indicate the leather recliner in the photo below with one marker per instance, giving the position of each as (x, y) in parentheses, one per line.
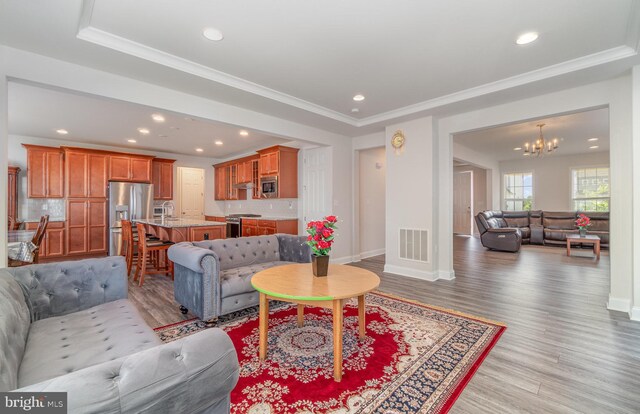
(495, 233)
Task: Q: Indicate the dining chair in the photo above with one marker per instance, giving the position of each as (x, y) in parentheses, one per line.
(36, 241)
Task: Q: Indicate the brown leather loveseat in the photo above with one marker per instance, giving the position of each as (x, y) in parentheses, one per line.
(499, 229)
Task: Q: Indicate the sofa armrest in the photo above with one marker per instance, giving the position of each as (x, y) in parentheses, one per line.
(504, 230)
(189, 375)
(60, 288)
(294, 248)
(190, 256)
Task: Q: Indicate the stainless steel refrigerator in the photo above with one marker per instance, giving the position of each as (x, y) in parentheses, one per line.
(127, 201)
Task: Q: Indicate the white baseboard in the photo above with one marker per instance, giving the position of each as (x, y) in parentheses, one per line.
(619, 304)
(634, 314)
(420, 274)
(446, 274)
(372, 253)
(343, 260)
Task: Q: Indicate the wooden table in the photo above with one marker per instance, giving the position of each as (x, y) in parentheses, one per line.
(589, 238)
(296, 284)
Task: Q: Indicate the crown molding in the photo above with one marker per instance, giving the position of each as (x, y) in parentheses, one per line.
(109, 40)
(584, 62)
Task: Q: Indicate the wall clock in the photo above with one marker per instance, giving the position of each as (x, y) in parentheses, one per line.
(397, 140)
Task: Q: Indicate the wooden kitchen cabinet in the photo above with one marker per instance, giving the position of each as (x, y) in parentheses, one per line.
(281, 162)
(259, 227)
(239, 171)
(220, 190)
(86, 226)
(45, 172)
(86, 173)
(12, 193)
(162, 178)
(219, 219)
(52, 245)
(207, 233)
(134, 168)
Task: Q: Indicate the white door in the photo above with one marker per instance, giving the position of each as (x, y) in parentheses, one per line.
(463, 202)
(316, 189)
(191, 193)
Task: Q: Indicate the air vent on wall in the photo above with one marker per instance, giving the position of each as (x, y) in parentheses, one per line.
(414, 245)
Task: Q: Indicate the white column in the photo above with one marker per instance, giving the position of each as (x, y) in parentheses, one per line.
(635, 124)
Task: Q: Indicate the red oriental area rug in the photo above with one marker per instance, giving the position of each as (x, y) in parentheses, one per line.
(415, 358)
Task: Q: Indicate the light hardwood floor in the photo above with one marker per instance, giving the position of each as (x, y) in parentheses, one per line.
(563, 351)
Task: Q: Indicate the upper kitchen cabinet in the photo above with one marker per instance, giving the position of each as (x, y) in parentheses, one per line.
(232, 178)
(45, 172)
(128, 167)
(220, 182)
(162, 179)
(282, 163)
(86, 172)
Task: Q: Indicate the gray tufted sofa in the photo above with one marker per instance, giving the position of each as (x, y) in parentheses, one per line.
(213, 277)
(69, 327)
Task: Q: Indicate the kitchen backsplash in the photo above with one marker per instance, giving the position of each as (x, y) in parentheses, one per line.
(281, 207)
(36, 207)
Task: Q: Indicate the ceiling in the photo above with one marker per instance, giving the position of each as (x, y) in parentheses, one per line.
(305, 60)
(39, 112)
(572, 131)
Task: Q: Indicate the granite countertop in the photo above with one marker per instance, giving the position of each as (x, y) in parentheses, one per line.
(180, 222)
(35, 220)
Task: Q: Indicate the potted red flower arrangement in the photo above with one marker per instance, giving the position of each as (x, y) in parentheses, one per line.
(320, 240)
(583, 222)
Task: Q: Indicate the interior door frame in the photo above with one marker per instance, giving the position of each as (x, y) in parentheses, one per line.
(178, 200)
(471, 206)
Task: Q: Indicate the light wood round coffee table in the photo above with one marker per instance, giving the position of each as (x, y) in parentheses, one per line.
(296, 284)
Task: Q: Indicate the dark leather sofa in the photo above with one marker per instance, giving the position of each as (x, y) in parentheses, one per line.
(507, 230)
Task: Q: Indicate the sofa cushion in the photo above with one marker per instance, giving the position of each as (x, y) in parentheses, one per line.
(559, 220)
(516, 218)
(63, 344)
(526, 232)
(14, 328)
(245, 251)
(238, 280)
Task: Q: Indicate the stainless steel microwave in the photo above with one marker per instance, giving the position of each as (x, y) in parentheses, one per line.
(269, 187)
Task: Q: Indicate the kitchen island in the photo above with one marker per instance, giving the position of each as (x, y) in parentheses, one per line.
(179, 229)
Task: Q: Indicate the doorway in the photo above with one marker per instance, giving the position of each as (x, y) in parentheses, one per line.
(190, 193)
(316, 186)
(463, 203)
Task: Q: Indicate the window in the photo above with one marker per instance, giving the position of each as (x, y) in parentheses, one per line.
(518, 191)
(590, 189)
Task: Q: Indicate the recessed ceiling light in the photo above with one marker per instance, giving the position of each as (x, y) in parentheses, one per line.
(593, 147)
(62, 131)
(592, 139)
(355, 110)
(358, 98)
(218, 142)
(143, 131)
(212, 33)
(157, 117)
(517, 148)
(244, 133)
(133, 141)
(526, 154)
(526, 38)
(199, 149)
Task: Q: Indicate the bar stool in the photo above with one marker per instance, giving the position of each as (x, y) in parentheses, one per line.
(146, 249)
(129, 244)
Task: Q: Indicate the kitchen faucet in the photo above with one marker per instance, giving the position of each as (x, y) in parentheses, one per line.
(164, 208)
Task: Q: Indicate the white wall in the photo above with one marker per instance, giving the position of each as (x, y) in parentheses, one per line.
(18, 157)
(490, 164)
(635, 309)
(616, 94)
(409, 193)
(372, 173)
(4, 118)
(479, 190)
(552, 177)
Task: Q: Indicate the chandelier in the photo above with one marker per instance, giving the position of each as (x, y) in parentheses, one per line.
(540, 145)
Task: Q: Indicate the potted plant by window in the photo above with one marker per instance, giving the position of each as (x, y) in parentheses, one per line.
(320, 239)
(583, 222)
